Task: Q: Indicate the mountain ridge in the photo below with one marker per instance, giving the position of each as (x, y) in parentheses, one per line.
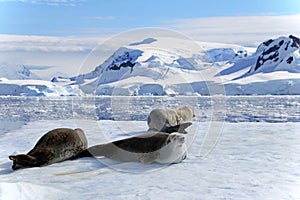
(143, 68)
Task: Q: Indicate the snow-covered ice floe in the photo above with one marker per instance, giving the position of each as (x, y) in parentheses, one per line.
(34, 88)
(247, 162)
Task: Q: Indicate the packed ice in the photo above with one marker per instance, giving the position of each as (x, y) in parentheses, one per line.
(252, 159)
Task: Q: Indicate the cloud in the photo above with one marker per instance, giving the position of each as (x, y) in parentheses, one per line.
(48, 43)
(244, 30)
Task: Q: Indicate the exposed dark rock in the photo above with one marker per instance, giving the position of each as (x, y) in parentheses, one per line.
(290, 60)
(271, 50)
(268, 42)
(125, 64)
(296, 41)
(281, 42)
(287, 45)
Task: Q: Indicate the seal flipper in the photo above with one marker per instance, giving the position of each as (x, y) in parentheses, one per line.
(22, 160)
(38, 159)
(148, 158)
(180, 128)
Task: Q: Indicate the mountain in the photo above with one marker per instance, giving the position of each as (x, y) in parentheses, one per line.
(281, 54)
(17, 72)
(143, 68)
(274, 68)
(173, 66)
(227, 54)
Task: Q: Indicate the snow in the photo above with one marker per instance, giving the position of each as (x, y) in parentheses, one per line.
(35, 88)
(244, 148)
(13, 71)
(171, 66)
(239, 147)
(226, 54)
(250, 161)
(238, 70)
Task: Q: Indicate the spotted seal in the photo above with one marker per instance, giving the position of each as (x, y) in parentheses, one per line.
(55, 146)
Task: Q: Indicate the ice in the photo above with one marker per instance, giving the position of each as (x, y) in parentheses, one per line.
(250, 161)
(34, 88)
(16, 111)
(242, 154)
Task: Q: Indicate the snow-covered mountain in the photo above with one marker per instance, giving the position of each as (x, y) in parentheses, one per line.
(281, 54)
(17, 72)
(144, 69)
(227, 54)
(274, 68)
(168, 66)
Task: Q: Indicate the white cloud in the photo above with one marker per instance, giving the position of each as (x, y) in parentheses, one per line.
(48, 43)
(245, 30)
(71, 51)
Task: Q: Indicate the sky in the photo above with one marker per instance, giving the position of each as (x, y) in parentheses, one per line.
(36, 32)
(82, 17)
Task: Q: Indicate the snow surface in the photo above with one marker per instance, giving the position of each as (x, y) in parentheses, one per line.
(250, 161)
(35, 88)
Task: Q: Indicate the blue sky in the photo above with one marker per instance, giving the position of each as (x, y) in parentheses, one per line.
(71, 17)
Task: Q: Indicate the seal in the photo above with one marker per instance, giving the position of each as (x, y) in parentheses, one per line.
(146, 148)
(169, 121)
(55, 146)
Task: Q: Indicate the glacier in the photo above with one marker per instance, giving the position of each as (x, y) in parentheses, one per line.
(236, 69)
(155, 66)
